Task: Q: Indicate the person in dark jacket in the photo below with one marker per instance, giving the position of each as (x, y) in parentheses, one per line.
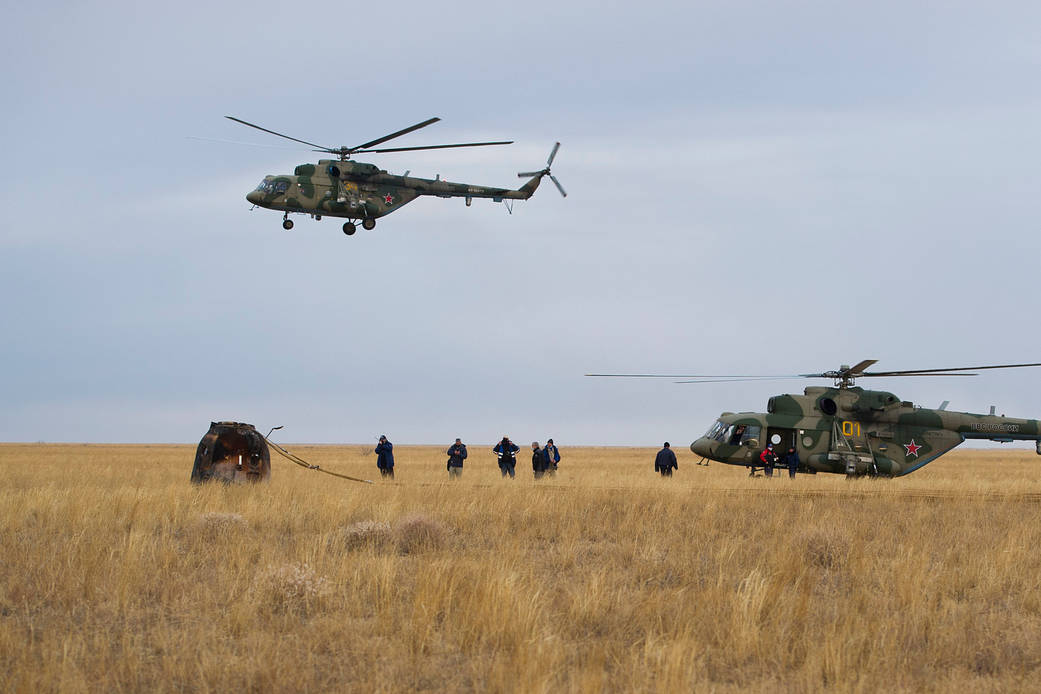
(768, 458)
(791, 461)
(456, 456)
(554, 457)
(539, 460)
(385, 457)
(507, 452)
(665, 461)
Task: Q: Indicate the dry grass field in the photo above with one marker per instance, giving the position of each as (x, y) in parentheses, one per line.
(116, 574)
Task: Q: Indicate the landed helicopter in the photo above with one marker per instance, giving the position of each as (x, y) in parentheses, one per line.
(848, 430)
(364, 192)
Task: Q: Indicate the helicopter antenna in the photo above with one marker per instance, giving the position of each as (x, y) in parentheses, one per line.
(344, 152)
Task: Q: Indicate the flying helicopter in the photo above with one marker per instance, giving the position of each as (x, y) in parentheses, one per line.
(364, 192)
(848, 430)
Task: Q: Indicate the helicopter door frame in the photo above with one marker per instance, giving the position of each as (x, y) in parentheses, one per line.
(788, 438)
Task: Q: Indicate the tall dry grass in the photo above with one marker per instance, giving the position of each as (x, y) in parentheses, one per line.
(117, 575)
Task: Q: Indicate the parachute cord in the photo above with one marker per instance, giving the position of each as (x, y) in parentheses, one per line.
(293, 458)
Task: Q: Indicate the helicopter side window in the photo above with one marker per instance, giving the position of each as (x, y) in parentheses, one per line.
(738, 434)
(281, 187)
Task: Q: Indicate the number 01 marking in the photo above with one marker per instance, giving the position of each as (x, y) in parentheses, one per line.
(851, 429)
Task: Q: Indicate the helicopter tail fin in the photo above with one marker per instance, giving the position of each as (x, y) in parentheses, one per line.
(528, 189)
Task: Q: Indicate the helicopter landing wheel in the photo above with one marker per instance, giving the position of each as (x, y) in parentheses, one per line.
(369, 223)
(287, 224)
(349, 228)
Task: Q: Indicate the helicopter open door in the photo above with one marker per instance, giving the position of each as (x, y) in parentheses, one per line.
(782, 439)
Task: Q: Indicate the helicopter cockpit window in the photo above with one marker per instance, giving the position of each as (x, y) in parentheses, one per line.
(737, 434)
(281, 187)
(715, 430)
(266, 187)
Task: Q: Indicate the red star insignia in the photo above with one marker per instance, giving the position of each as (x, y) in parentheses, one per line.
(912, 448)
(389, 199)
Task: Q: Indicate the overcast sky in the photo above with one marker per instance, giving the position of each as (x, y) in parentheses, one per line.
(753, 188)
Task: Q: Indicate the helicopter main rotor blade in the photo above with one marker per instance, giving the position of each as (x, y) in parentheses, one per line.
(399, 133)
(920, 372)
(861, 366)
(741, 377)
(557, 184)
(887, 375)
(247, 144)
(845, 375)
(529, 174)
(413, 149)
(305, 142)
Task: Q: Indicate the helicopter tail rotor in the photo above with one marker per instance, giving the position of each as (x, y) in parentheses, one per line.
(546, 171)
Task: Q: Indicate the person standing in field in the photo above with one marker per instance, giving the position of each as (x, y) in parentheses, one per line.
(768, 458)
(665, 461)
(456, 456)
(385, 457)
(791, 461)
(507, 452)
(553, 455)
(539, 460)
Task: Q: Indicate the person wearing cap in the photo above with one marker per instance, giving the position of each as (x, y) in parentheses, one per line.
(385, 457)
(665, 461)
(554, 456)
(507, 452)
(768, 458)
(456, 456)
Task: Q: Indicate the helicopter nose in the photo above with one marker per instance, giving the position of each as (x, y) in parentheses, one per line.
(701, 447)
(253, 197)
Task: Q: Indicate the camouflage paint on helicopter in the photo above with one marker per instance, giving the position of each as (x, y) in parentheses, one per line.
(850, 430)
(358, 191)
(853, 431)
(362, 191)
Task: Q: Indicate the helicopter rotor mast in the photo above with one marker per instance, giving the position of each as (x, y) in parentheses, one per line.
(344, 153)
(846, 375)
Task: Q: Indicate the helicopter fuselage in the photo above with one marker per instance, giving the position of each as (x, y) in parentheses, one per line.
(358, 190)
(854, 431)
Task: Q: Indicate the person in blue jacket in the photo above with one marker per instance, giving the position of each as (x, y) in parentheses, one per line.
(665, 461)
(554, 456)
(507, 452)
(456, 456)
(791, 461)
(385, 457)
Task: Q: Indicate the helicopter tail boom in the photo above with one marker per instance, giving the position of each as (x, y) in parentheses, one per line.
(995, 427)
(528, 189)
